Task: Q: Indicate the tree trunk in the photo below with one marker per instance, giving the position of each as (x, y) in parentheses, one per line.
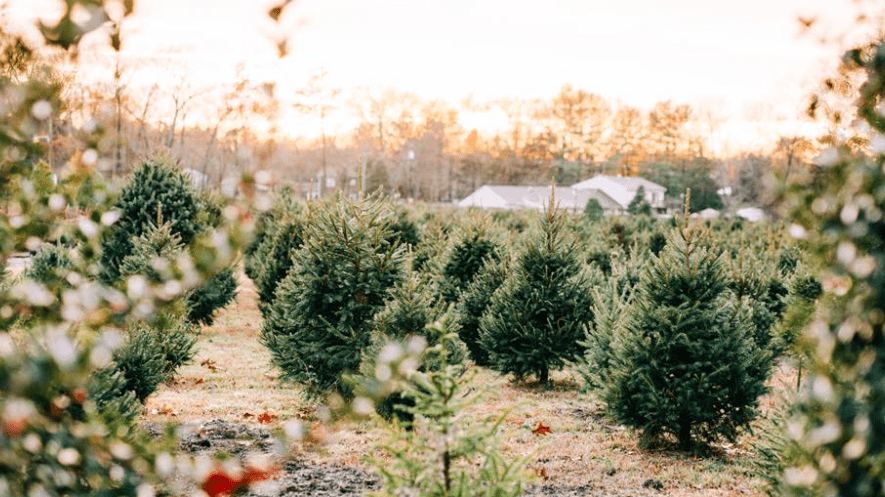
(544, 375)
(684, 434)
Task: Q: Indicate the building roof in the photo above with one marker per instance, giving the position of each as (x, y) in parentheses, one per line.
(631, 183)
(535, 197)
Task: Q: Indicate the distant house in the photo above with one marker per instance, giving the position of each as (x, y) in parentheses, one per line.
(623, 190)
(614, 194)
(537, 198)
(751, 214)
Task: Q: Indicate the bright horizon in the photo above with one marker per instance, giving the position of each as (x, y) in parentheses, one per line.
(744, 60)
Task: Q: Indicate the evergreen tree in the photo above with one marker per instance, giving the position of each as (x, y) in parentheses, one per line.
(593, 210)
(464, 261)
(322, 316)
(156, 193)
(610, 304)
(218, 291)
(287, 238)
(686, 363)
(535, 320)
(473, 303)
(639, 205)
(406, 315)
(50, 267)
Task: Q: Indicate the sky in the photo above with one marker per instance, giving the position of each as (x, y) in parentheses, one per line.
(745, 58)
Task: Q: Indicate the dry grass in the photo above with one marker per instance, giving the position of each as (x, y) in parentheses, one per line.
(232, 379)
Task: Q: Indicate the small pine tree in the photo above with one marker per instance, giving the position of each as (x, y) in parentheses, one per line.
(610, 304)
(322, 316)
(153, 253)
(639, 205)
(536, 319)
(277, 260)
(464, 261)
(406, 315)
(593, 210)
(686, 364)
(153, 353)
(156, 193)
(444, 455)
(50, 267)
(473, 303)
(218, 291)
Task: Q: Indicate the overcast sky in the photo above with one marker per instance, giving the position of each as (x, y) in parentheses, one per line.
(745, 56)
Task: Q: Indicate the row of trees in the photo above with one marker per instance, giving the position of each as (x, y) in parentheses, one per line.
(677, 327)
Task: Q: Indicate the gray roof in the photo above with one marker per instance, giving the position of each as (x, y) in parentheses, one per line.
(536, 197)
(631, 183)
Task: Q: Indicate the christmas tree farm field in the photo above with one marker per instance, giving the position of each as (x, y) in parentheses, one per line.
(230, 399)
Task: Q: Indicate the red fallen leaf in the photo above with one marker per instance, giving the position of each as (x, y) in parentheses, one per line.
(220, 483)
(541, 429)
(266, 417)
(198, 381)
(541, 472)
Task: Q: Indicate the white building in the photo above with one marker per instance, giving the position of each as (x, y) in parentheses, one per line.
(614, 194)
(623, 189)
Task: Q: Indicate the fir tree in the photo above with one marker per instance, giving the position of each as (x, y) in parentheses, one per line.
(155, 194)
(405, 316)
(639, 205)
(593, 211)
(535, 320)
(465, 259)
(321, 319)
(277, 260)
(686, 363)
(473, 303)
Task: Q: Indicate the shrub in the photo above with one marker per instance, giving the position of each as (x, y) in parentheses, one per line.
(536, 319)
(322, 316)
(686, 363)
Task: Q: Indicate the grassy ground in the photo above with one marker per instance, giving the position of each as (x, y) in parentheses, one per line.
(232, 379)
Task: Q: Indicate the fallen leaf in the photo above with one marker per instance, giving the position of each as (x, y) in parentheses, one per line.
(266, 417)
(541, 429)
(198, 381)
(541, 472)
(210, 364)
(248, 415)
